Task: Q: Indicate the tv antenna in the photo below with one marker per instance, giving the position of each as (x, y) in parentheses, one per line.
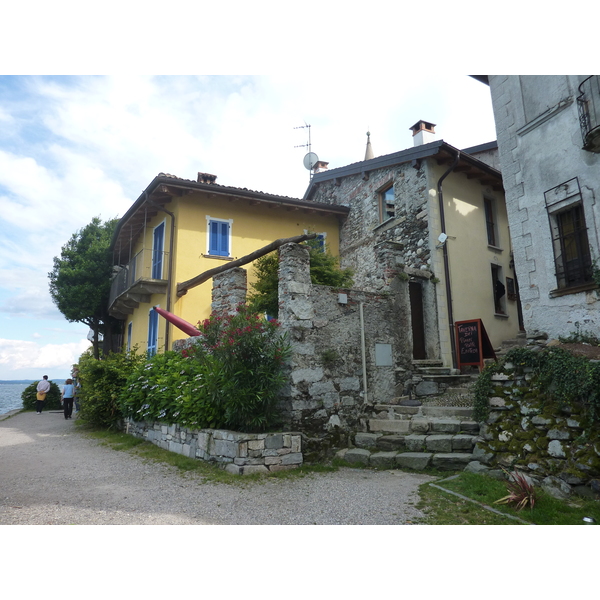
(310, 159)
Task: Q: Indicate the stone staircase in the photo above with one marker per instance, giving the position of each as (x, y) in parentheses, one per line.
(416, 432)
(415, 437)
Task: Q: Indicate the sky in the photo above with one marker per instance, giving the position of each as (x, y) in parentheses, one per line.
(77, 147)
(94, 105)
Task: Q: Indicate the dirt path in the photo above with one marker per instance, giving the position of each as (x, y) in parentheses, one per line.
(52, 474)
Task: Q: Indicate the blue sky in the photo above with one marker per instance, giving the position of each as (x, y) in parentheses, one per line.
(75, 147)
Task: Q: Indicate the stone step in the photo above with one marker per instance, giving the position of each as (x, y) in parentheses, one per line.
(427, 362)
(424, 426)
(417, 461)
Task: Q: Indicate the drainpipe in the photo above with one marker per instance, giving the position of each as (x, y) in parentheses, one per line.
(363, 352)
(446, 263)
(169, 278)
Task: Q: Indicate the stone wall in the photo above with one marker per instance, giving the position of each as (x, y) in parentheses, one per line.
(554, 445)
(326, 393)
(238, 453)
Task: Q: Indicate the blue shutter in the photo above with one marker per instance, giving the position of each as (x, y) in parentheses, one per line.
(152, 332)
(218, 244)
(157, 251)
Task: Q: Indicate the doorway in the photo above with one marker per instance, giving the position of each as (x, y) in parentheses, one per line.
(417, 320)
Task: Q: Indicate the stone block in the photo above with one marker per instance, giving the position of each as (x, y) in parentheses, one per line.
(234, 469)
(469, 427)
(426, 388)
(419, 426)
(413, 460)
(453, 461)
(391, 425)
(463, 442)
(256, 444)
(294, 458)
(439, 443)
(476, 467)
(223, 448)
(445, 426)
(558, 434)
(272, 460)
(274, 440)
(385, 460)
(415, 443)
(357, 456)
(250, 469)
(282, 467)
(366, 440)
(175, 447)
(555, 449)
(308, 375)
(296, 443)
(349, 384)
(482, 455)
(391, 442)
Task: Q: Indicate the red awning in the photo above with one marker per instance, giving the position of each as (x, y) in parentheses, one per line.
(178, 322)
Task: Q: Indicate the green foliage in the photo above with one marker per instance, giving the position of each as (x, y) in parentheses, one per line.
(81, 277)
(230, 379)
(482, 391)
(580, 336)
(101, 384)
(324, 270)
(52, 401)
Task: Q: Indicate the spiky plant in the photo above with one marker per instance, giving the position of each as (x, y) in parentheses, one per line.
(521, 492)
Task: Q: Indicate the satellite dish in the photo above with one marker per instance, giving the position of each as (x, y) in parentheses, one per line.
(442, 238)
(310, 160)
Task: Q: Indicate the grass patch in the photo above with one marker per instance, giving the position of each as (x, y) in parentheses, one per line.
(208, 472)
(446, 509)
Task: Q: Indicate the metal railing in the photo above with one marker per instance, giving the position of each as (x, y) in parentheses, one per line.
(147, 264)
(588, 103)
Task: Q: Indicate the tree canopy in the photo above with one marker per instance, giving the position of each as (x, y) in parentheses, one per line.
(324, 270)
(81, 277)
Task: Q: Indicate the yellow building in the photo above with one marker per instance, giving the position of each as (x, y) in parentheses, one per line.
(179, 228)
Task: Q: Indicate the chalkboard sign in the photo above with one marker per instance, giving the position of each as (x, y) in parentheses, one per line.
(473, 343)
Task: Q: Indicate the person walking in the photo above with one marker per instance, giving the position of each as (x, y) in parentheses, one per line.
(43, 387)
(68, 393)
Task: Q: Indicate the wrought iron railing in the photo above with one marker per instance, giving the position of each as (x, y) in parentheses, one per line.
(588, 103)
(145, 265)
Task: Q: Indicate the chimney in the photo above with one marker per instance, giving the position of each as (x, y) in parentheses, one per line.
(206, 178)
(423, 133)
(320, 166)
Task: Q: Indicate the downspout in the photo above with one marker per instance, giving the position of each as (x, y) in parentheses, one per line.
(170, 276)
(363, 352)
(446, 262)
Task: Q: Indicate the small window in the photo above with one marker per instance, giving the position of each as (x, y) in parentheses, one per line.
(219, 237)
(152, 332)
(158, 251)
(571, 247)
(490, 222)
(499, 290)
(387, 204)
(129, 334)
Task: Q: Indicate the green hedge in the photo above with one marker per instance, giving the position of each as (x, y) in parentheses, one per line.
(52, 401)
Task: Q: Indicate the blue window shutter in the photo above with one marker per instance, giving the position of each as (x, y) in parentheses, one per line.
(157, 251)
(224, 239)
(219, 238)
(152, 332)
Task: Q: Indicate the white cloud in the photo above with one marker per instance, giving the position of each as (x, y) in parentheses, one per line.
(18, 354)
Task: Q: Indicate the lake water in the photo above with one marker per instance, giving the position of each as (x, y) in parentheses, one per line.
(10, 396)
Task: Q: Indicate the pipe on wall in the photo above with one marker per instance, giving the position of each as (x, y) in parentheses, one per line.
(446, 260)
(363, 349)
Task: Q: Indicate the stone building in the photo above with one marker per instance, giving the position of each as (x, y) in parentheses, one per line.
(428, 223)
(548, 130)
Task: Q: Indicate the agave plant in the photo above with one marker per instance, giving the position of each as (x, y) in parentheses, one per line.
(521, 491)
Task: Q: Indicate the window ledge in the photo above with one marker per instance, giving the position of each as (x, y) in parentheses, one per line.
(216, 257)
(573, 290)
(495, 249)
(501, 315)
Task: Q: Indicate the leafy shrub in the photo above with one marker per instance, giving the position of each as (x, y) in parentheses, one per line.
(52, 402)
(230, 379)
(101, 384)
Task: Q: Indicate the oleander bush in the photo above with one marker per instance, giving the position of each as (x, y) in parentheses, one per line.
(229, 379)
(52, 401)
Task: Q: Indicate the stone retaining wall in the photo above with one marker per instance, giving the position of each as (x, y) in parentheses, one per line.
(555, 446)
(238, 453)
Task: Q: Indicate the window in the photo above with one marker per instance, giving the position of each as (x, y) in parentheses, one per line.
(490, 222)
(152, 332)
(572, 259)
(219, 237)
(157, 251)
(129, 333)
(499, 290)
(387, 204)
(571, 248)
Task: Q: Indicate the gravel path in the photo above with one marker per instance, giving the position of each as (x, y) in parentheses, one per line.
(51, 474)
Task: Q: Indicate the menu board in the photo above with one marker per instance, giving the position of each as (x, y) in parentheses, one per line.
(473, 344)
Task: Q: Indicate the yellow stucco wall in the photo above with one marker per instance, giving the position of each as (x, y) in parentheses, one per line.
(252, 227)
(470, 256)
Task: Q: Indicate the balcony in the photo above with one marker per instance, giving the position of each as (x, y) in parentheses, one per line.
(588, 103)
(137, 281)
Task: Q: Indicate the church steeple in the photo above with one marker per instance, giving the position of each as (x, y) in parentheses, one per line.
(369, 152)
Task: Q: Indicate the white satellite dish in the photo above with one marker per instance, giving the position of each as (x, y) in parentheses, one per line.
(310, 160)
(442, 238)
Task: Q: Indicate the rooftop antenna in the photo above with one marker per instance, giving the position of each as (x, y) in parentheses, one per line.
(310, 159)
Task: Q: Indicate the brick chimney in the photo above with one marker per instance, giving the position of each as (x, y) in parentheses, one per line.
(423, 133)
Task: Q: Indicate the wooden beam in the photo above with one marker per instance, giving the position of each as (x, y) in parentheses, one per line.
(183, 287)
